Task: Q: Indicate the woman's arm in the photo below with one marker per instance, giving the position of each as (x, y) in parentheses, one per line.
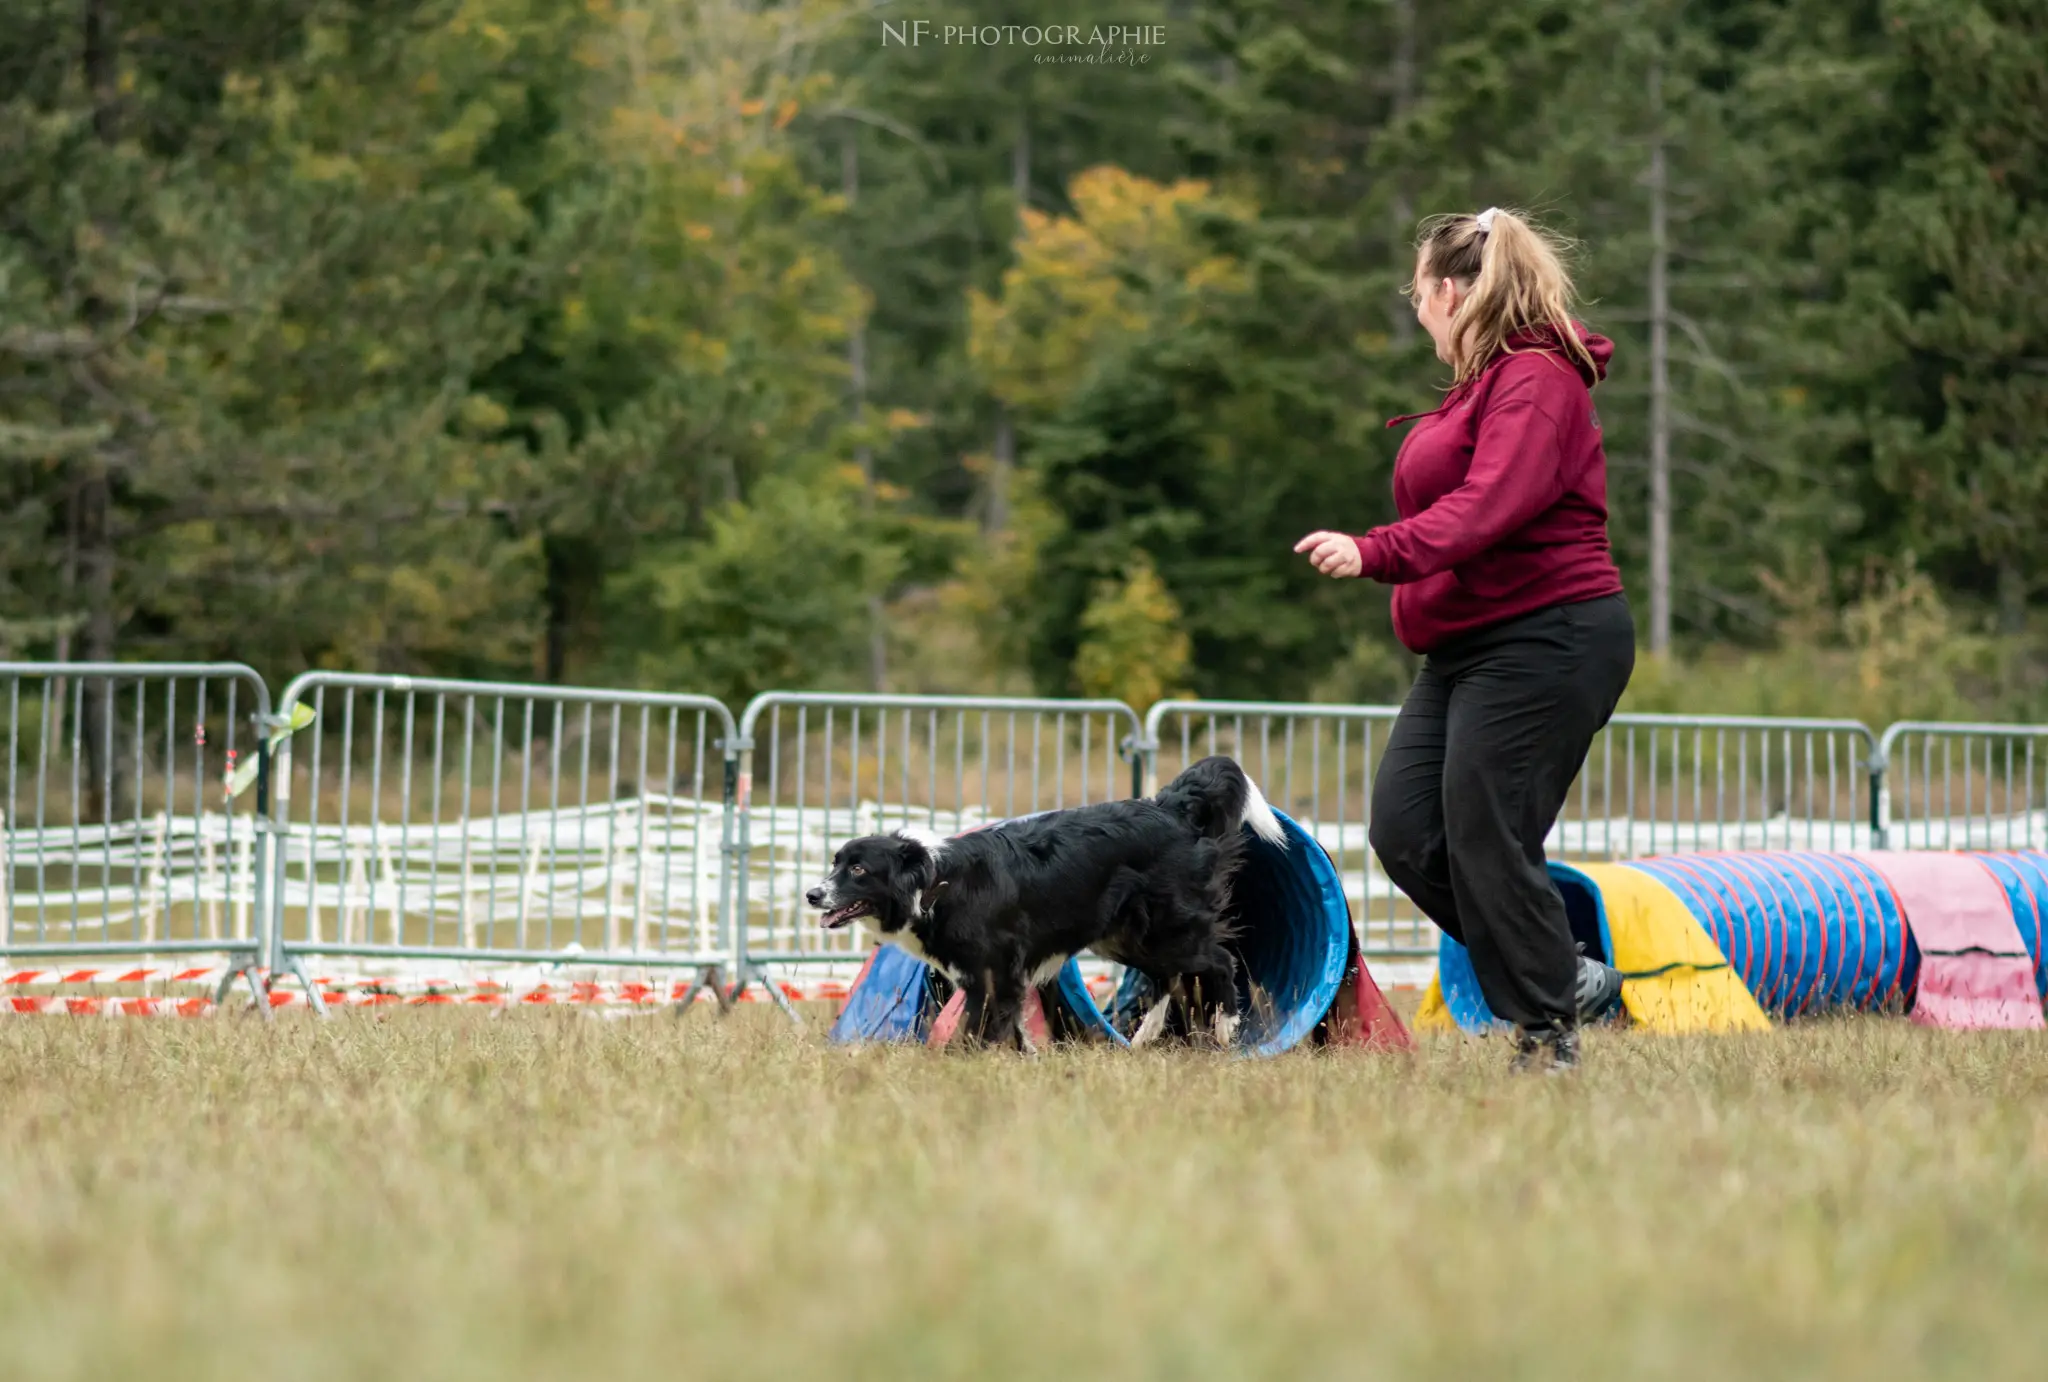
(1516, 473)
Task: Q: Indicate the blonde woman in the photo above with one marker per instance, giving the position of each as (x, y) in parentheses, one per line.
(1503, 579)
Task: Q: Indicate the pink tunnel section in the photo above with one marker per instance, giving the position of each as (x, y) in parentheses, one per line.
(948, 1020)
(1975, 971)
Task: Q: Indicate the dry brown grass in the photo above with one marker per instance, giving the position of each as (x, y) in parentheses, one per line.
(553, 1195)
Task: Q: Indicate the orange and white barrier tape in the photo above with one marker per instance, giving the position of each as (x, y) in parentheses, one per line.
(23, 993)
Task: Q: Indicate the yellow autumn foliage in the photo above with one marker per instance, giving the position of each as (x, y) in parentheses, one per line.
(703, 73)
(1133, 647)
(1129, 261)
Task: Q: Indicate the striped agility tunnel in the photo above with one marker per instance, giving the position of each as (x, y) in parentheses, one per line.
(1730, 942)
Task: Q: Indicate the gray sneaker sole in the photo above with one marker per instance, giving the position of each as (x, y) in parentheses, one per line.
(1598, 991)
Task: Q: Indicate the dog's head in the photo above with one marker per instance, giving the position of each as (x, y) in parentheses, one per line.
(879, 878)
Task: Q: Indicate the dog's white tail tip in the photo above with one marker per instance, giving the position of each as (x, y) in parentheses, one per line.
(1258, 814)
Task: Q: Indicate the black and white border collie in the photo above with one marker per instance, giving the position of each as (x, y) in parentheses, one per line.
(1144, 883)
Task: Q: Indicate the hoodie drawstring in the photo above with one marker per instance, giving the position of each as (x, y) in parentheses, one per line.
(1449, 399)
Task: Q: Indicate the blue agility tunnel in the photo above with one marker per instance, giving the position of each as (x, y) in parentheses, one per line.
(2024, 876)
(896, 998)
(1805, 932)
(892, 999)
(1294, 937)
(1460, 986)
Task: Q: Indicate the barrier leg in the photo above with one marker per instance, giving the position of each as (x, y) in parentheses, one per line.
(314, 1000)
(711, 978)
(244, 968)
(750, 975)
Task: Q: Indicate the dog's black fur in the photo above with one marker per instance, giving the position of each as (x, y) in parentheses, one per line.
(1145, 883)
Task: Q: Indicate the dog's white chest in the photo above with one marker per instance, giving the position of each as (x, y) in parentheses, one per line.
(1048, 970)
(906, 940)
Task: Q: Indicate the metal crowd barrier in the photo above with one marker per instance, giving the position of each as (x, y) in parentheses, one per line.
(120, 836)
(1652, 784)
(1962, 786)
(1685, 784)
(1315, 762)
(819, 769)
(420, 819)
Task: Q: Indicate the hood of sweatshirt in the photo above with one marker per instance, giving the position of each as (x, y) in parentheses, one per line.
(1547, 337)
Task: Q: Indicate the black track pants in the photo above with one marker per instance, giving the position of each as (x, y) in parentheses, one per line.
(1487, 745)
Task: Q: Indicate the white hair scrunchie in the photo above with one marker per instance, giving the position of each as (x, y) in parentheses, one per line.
(1485, 219)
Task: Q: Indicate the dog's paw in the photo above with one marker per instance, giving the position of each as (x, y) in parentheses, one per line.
(1227, 1026)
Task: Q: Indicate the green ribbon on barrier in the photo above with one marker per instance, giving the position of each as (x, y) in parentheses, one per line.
(238, 779)
(1663, 970)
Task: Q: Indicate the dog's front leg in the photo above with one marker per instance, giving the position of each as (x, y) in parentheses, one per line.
(993, 1014)
(1213, 1001)
(1004, 1015)
(1166, 995)
(974, 1013)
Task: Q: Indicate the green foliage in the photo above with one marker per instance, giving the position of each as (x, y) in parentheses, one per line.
(517, 337)
(1181, 449)
(996, 586)
(258, 273)
(1132, 646)
(774, 597)
(1894, 649)
(1133, 260)
(1964, 228)
(947, 146)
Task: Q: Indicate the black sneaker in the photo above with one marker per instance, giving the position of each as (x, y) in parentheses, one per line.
(1598, 988)
(1564, 1052)
(1552, 1051)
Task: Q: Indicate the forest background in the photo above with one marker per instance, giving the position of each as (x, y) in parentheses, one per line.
(720, 346)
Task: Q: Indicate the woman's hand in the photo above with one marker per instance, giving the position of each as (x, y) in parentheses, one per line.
(1334, 554)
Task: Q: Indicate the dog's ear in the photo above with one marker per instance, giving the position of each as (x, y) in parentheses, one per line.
(920, 869)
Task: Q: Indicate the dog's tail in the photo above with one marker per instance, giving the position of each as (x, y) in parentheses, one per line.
(1216, 797)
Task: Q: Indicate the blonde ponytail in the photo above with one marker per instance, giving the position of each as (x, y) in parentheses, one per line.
(1518, 283)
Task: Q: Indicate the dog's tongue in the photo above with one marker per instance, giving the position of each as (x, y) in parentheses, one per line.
(839, 916)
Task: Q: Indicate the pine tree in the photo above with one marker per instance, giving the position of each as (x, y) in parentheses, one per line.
(1963, 234)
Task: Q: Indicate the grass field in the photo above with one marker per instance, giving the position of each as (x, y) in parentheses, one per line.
(553, 1195)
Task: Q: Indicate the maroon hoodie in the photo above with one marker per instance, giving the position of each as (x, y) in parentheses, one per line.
(1502, 493)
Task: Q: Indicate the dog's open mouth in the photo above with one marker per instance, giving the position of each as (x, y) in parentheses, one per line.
(839, 916)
